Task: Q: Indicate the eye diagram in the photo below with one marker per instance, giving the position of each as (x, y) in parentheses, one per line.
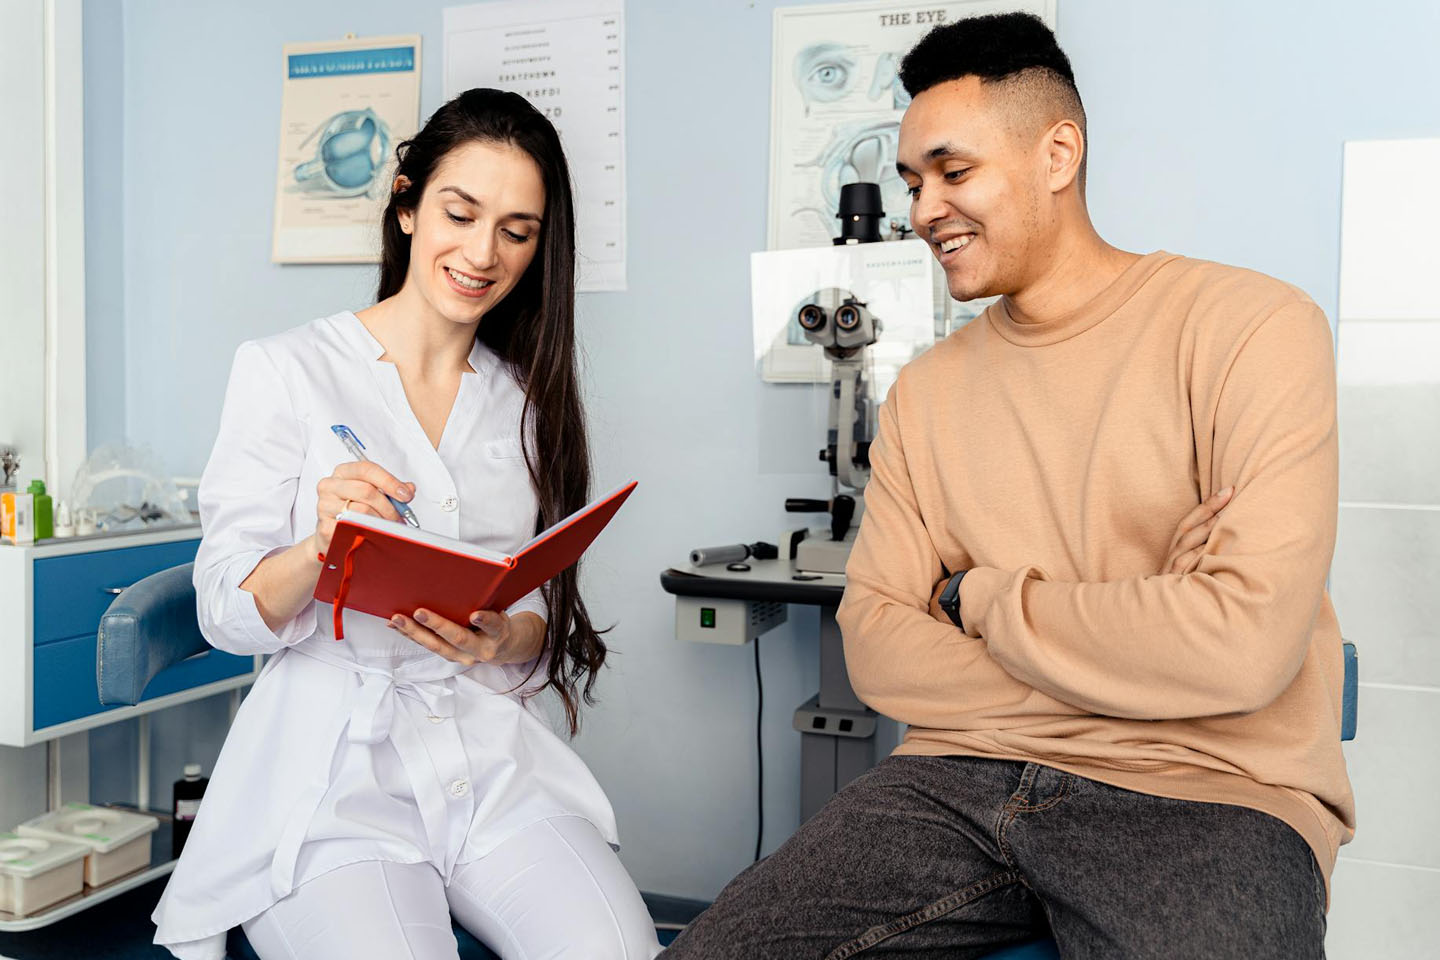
(887, 81)
(350, 151)
(824, 72)
(860, 152)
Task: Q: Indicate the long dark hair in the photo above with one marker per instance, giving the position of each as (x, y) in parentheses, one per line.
(533, 332)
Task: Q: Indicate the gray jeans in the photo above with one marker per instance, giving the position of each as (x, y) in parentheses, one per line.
(955, 857)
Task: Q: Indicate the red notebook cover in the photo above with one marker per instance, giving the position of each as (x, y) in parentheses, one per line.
(382, 568)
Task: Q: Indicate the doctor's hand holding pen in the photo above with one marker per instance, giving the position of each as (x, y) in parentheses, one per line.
(283, 583)
(363, 487)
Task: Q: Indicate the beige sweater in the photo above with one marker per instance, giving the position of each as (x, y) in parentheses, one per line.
(1053, 461)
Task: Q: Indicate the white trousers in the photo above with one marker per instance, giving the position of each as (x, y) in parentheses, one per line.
(553, 890)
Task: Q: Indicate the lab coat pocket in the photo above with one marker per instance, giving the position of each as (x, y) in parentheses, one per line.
(506, 449)
(505, 461)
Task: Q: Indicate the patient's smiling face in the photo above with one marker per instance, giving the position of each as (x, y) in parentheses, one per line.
(975, 185)
(996, 178)
(476, 230)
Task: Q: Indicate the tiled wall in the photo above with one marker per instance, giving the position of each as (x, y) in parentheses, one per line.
(1386, 577)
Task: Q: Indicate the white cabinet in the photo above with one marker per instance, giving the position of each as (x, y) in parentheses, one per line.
(51, 600)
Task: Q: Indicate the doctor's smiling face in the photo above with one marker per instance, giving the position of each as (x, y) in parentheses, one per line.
(476, 229)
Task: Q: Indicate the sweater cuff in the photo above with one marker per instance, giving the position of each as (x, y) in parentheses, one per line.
(977, 593)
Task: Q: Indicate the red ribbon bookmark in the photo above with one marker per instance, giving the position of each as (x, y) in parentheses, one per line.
(345, 574)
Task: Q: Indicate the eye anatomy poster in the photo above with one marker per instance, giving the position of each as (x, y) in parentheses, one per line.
(836, 103)
(344, 107)
(567, 57)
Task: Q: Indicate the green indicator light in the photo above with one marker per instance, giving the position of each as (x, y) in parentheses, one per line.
(707, 618)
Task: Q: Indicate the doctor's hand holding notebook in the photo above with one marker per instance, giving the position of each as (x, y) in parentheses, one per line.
(363, 487)
(426, 585)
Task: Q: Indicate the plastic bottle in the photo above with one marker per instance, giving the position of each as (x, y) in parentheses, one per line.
(64, 523)
(17, 518)
(44, 511)
(187, 804)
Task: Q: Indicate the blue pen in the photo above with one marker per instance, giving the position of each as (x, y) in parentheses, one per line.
(357, 450)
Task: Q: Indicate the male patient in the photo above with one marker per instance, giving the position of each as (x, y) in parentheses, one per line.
(1090, 579)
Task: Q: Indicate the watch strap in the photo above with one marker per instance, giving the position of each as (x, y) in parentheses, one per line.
(950, 599)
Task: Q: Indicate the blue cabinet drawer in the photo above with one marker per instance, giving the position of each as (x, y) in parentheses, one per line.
(71, 592)
(65, 678)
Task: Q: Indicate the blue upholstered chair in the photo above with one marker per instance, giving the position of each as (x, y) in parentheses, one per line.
(152, 625)
(149, 626)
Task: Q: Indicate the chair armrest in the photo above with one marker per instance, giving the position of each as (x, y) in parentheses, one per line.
(148, 627)
(1350, 696)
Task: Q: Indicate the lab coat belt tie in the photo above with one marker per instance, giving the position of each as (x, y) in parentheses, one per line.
(371, 720)
(373, 716)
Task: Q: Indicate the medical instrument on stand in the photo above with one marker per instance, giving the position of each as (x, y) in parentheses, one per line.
(842, 325)
(734, 553)
(841, 737)
(841, 510)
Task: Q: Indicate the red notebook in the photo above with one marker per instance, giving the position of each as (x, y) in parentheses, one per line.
(382, 568)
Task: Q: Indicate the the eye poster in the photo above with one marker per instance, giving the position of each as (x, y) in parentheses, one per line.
(836, 103)
(344, 107)
(567, 57)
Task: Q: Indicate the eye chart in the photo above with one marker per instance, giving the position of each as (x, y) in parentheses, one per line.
(836, 103)
(567, 57)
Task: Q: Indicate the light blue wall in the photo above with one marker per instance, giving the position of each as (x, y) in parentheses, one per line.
(1216, 127)
(1216, 132)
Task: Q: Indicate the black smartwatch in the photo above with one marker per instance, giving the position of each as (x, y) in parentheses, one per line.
(950, 598)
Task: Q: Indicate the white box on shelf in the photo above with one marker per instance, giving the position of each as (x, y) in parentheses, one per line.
(117, 842)
(36, 872)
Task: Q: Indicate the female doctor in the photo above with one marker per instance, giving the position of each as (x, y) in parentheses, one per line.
(371, 787)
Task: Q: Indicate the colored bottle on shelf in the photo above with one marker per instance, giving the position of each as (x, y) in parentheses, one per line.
(17, 518)
(44, 510)
(188, 793)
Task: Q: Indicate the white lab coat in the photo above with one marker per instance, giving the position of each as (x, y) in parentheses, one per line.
(370, 748)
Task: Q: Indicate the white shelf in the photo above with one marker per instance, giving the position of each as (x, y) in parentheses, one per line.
(160, 865)
(119, 539)
(86, 900)
(144, 707)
